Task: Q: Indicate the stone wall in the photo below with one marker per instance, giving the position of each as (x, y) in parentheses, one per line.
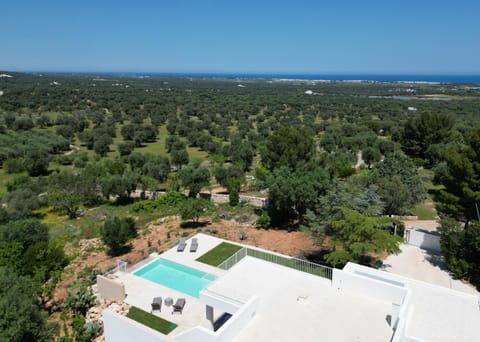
(223, 198)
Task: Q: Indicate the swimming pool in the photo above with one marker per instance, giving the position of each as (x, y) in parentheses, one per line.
(176, 276)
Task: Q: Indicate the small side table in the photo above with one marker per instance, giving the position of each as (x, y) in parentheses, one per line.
(168, 301)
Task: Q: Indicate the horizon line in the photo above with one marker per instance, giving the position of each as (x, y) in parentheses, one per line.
(302, 73)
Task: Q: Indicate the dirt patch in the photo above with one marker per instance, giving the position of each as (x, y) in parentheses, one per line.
(427, 225)
(162, 234)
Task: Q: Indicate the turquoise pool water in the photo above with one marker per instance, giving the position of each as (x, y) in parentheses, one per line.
(175, 276)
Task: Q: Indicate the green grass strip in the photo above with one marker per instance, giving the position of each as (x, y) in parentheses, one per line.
(151, 321)
(219, 254)
(424, 212)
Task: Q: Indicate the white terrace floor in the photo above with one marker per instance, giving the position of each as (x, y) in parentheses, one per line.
(293, 306)
(296, 306)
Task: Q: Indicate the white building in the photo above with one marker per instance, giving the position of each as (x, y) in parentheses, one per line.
(267, 301)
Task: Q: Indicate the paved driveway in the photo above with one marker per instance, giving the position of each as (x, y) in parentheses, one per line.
(416, 263)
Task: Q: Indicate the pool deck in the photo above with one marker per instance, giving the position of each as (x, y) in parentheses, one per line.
(140, 292)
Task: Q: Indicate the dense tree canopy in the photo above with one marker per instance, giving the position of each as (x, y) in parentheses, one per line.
(20, 317)
(460, 176)
(117, 232)
(421, 134)
(398, 183)
(291, 193)
(356, 234)
(460, 247)
(288, 147)
(194, 178)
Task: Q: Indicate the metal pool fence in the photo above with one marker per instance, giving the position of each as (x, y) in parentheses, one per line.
(295, 263)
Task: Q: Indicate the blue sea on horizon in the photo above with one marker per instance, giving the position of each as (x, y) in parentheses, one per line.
(331, 77)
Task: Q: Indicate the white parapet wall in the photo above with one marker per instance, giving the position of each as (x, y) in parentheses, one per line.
(380, 285)
(119, 328)
(369, 285)
(219, 301)
(110, 289)
(228, 330)
(401, 330)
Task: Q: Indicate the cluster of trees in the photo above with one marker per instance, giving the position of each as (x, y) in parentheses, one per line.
(312, 189)
(29, 151)
(30, 266)
(458, 200)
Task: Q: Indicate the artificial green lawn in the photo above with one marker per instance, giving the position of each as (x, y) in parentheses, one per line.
(219, 254)
(151, 321)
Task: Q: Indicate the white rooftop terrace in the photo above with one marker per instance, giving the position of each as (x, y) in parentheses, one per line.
(296, 306)
(437, 313)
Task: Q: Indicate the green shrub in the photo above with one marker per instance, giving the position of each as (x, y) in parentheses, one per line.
(233, 198)
(171, 199)
(117, 232)
(263, 221)
(81, 300)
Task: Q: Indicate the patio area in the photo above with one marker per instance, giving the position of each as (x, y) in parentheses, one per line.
(140, 292)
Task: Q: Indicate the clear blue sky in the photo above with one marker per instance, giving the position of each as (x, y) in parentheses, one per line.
(334, 36)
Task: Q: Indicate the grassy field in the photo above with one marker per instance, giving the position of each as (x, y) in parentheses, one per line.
(219, 254)
(424, 211)
(151, 321)
(5, 178)
(158, 148)
(117, 140)
(90, 222)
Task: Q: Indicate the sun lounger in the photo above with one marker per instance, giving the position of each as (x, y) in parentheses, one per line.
(194, 245)
(181, 245)
(178, 306)
(157, 304)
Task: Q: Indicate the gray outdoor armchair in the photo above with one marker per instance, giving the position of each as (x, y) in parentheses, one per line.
(178, 306)
(157, 304)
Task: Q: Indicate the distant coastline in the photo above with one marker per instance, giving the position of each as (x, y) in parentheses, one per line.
(417, 78)
(402, 78)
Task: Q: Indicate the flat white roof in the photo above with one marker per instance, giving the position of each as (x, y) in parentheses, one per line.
(439, 314)
(443, 315)
(296, 306)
